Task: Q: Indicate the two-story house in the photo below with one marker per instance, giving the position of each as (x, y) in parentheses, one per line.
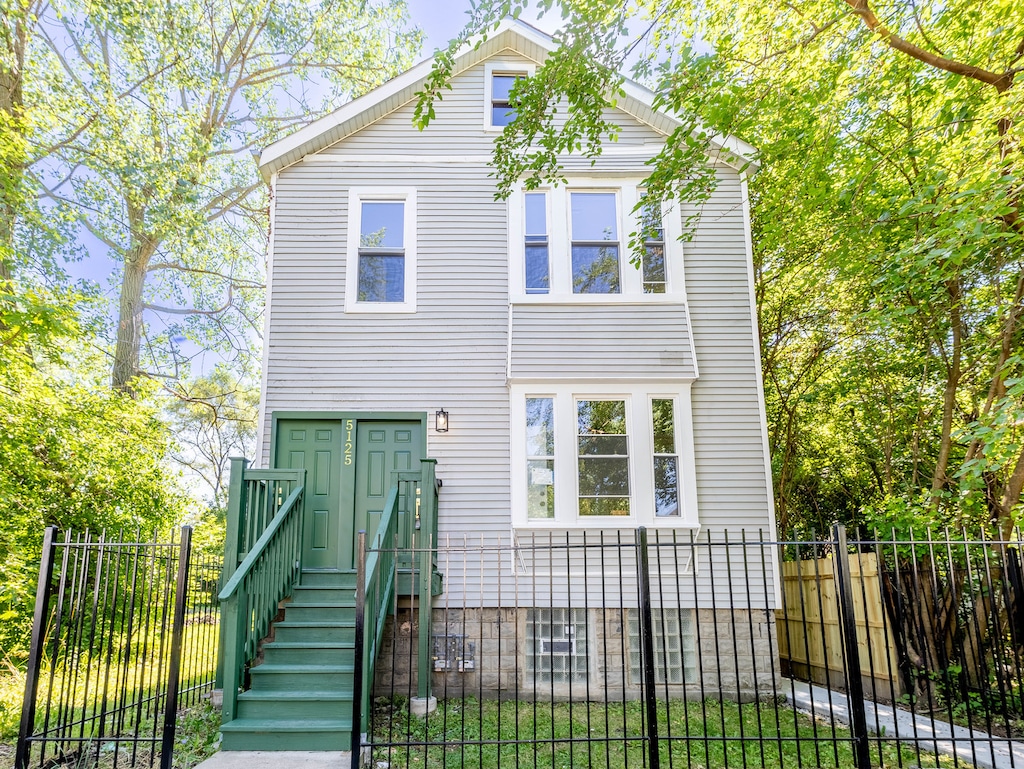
(561, 389)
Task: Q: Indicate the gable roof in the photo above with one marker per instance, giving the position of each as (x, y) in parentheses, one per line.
(511, 34)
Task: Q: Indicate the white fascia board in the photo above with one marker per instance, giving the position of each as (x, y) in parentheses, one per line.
(726, 145)
(310, 133)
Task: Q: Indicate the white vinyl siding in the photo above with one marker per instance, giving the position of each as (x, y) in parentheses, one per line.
(612, 341)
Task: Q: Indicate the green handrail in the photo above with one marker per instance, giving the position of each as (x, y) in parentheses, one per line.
(377, 588)
(378, 569)
(255, 497)
(250, 599)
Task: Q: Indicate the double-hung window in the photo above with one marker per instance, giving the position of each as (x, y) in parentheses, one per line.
(540, 463)
(502, 113)
(595, 242)
(538, 265)
(584, 456)
(653, 266)
(603, 456)
(666, 458)
(500, 77)
(381, 265)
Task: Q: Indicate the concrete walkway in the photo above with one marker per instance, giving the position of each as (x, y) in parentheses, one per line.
(969, 745)
(283, 759)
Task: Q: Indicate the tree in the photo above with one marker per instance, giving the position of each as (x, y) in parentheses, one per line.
(214, 418)
(155, 109)
(76, 455)
(888, 232)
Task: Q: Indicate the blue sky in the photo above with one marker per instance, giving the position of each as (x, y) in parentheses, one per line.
(441, 20)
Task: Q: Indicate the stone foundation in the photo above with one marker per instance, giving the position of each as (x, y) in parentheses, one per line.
(483, 653)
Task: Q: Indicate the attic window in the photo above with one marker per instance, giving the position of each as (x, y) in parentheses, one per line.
(502, 112)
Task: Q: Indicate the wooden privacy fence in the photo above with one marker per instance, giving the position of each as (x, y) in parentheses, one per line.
(810, 634)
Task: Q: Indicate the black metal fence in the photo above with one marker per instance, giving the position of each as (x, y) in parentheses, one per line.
(125, 633)
(723, 649)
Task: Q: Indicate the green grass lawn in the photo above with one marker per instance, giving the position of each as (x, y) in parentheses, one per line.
(697, 735)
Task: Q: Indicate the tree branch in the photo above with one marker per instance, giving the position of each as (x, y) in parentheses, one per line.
(192, 310)
(178, 267)
(1001, 82)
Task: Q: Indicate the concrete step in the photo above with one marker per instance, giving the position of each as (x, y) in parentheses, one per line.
(281, 759)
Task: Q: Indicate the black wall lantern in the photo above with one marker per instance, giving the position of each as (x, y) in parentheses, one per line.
(441, 421)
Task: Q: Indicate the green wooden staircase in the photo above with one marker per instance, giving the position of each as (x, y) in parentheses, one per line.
(295, 673)
(300, 695)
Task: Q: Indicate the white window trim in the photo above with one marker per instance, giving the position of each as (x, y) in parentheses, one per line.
(640, 449)
(560, 245)
(356, 196)
(500, 67)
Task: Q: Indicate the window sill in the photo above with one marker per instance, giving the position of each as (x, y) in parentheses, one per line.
(381, 308)
(546, 524)
(575, 299)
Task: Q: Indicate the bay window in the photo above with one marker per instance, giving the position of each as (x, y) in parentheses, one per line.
(583, 456)
(570, 244)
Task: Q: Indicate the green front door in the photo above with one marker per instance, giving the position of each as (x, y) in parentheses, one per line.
(318, 446)
(382, 447)
(348, 464)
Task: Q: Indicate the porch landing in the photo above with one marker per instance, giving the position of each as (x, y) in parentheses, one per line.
(277, 759)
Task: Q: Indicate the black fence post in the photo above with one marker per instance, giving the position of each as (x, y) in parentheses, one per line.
(647, 647)
(358, 651)
(35, 654)
(851, 652)
(177, 632)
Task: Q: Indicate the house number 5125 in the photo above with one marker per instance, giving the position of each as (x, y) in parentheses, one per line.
(349, 424)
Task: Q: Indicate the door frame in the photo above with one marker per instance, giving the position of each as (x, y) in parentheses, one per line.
(366, 416)
(347, 479)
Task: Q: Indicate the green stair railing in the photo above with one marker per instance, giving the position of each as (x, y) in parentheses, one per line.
(267, 574)
(400, 532)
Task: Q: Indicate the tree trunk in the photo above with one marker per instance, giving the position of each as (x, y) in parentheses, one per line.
(953, 372)
(12, 108)
(129, 318)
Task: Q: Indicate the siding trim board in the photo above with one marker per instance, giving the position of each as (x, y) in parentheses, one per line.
(265, 357)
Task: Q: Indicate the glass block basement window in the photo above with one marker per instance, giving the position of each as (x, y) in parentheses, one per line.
(675, 656)
(556, 647)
